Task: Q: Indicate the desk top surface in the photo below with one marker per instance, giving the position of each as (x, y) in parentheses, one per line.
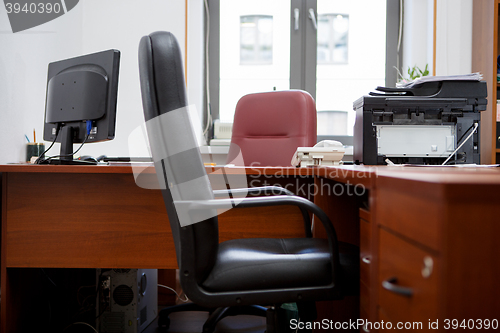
(355, 173)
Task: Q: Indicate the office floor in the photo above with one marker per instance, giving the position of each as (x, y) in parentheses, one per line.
(192, 322)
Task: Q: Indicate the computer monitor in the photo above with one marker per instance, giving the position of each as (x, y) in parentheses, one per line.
(81, 102)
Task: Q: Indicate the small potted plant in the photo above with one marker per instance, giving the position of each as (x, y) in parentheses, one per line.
(414, 73)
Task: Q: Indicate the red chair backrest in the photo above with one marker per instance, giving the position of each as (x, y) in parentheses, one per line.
(268, 127)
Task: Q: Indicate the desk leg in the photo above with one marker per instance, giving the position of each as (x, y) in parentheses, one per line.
(18, 286)
(5, 298)
(11, 306)
(46, 300)
(342, 208)
(15, 293)
(4, 305)
(341, 205)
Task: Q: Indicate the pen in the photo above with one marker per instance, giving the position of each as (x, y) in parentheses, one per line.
(27, 138)
(34, 136)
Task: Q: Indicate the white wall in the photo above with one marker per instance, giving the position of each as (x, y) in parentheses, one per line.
(92, 26)
(417, 32)
(95, 25)
(454, 37)
(23, 76)
(196, 54)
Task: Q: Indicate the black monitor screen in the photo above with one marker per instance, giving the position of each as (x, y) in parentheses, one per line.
(81, 101)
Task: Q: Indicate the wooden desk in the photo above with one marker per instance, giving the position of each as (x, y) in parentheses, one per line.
(96, 216)
(435, 231)
(65, 216)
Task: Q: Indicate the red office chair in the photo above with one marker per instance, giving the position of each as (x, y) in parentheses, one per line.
(268, 127)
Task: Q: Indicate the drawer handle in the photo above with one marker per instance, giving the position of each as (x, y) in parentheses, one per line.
(365, 328)
(366, 260)
(428, 266)
(391, 285)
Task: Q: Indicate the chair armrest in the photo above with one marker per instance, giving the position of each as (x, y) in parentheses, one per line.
(271, 201)
(266, 190)
(263, 190)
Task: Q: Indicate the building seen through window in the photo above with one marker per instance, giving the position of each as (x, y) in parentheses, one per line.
(333, 34)
(256, 39)
(339, 56)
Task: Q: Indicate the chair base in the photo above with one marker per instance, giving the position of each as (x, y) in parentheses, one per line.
(277, 320)
(215, 315)
(280, 321)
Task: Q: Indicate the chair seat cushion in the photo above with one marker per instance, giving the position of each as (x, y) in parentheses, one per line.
(268, 263)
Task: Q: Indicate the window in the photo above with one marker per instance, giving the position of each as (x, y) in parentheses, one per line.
(253, 52)
(256, 40)
(338, 51)
(351, 59)
(333, 33)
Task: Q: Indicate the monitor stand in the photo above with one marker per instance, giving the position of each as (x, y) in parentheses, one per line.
(66, 152)
(55, 161)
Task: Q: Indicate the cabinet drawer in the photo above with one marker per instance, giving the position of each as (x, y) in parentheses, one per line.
(365, 254)
(364, 316)
(365, 214)
(408, 280)
(410, 211)
(364, 297)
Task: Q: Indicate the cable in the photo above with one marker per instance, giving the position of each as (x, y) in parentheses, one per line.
(88, 127)
(65, 155)
(48, 277)
(207, 73)
(37, 161)
(81, 323)
(400, 34)
(98, 293)
(465, 133)
(46, 150)
(389, 162)
(463, 142)
(178, 296)
(78, 293)
(463, 159)
(103, 310)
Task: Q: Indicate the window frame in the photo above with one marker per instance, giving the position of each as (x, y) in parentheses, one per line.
(302, 49)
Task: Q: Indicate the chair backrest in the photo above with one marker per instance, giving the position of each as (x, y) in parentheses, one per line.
(268, 127)
(178, 162)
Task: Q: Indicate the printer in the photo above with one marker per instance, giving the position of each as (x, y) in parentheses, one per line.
(423, 123)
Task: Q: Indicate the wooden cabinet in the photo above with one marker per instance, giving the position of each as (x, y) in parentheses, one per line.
(433, 248)
(365, 258)
(428, 244)
(485, 50)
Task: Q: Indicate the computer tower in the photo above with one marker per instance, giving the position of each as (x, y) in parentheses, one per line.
(127, 299)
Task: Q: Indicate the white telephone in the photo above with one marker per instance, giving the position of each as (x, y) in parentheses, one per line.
(329, 143)
(326, 152)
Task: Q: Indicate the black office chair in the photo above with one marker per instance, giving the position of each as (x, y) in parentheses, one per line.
(230, 277)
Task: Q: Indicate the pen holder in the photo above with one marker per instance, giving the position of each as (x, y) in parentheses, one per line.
(34, 149)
